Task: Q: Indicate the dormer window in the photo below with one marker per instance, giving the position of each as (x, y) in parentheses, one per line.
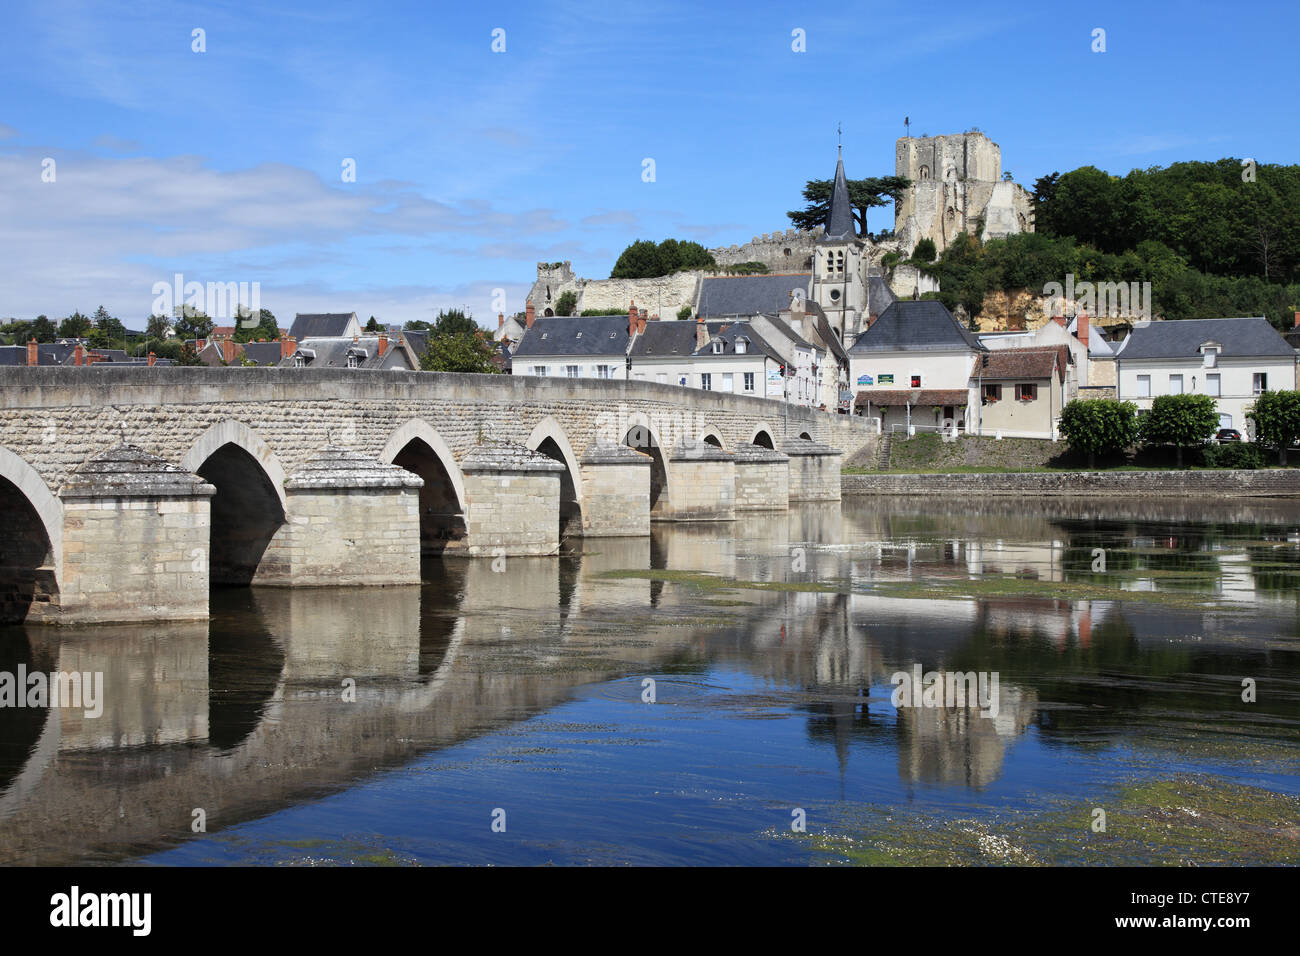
(741, 345)
(352, 360)
(578, 336)
(1210, 353)
(717, 348)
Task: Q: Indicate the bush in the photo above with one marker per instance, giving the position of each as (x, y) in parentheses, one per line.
(684, 312)
(1237, 454)
(566, 303)
(925, 250)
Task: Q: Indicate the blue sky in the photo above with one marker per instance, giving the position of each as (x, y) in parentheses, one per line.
(472, 166)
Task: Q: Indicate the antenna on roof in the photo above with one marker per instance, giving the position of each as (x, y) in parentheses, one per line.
(839, 138)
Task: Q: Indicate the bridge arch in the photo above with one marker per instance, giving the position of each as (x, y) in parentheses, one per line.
(548, 438)
(249, 506)
(763, 433)
(712, 436)
(640, 435)
(31, 517)
(417, 447)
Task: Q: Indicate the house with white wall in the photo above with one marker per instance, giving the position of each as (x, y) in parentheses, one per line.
(914, 365)
(575, 347)
(1232, 360)
(713, 356)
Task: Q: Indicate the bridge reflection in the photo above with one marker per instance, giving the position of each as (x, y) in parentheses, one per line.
(288, 694)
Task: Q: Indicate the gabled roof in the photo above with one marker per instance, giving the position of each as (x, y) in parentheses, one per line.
(321, 324)
(1022, 363)
(750, 295)
(880, 295)
(916, 325)
(263, 353)
(664, 338)
(333, 353)
(575, 335)
(1183, 338)
(738, 330)
(839, 217)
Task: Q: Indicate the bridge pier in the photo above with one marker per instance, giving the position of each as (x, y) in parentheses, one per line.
(349, 520)
(512, 501)
(762, 479)
(701, 483)
(615, 491)
(135, 542)
(814, 470)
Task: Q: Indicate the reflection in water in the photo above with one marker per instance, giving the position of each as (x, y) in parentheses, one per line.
(289, 694)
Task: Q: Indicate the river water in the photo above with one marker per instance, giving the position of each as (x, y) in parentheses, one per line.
(716, 694)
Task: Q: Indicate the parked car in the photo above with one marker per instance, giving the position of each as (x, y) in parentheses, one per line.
(1227, 435)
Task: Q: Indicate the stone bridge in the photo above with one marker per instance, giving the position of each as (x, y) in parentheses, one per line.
(126, 493)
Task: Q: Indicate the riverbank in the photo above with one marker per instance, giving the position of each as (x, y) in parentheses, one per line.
(1269, 483)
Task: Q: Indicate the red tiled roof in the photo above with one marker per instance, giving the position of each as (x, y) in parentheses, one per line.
(1021, 363)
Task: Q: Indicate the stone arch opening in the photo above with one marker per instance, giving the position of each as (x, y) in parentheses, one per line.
(549, 439)
(763, 436)
(711, 436)
(712, 440)
(642, 438)
(419, 449)
(805, 436)
(26, 556)
(246, 514)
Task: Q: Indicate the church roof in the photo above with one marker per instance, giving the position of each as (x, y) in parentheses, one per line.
(839, 218)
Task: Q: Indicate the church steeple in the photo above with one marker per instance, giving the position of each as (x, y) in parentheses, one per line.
(839, 218)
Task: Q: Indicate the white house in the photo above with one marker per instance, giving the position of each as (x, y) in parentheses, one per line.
(916, 359)
(575, 347)
(714, 356)
(1233, 360)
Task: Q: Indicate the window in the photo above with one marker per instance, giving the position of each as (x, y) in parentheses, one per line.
(992, 393)
(352, 360)
(300, 361)
(604, 371)
(749, 381)
(1259, 382)
(740, 346)
(1175, 385)
(717, 348)
(706, 381)
(728, 382)
(539, 369)
(916, 381)
(1212, 386)
(571, 371)
(1027, 392)
(1144, 386)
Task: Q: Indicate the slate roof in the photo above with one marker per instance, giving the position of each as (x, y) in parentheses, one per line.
(576, 335)
(839, 217)
(750, 295)
(418, 340)
(13, 355)
(263, 353)
(665, 337)
(920, 325)
(320, 324)
(1182, 338)
(728, 337)
(333, 353)
(881, 296)
(1022, 363)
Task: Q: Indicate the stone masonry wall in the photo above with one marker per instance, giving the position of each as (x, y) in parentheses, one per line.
(762, 485)
(1279, 482)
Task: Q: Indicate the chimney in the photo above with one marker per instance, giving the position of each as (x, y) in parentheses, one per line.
(871, 320)
(529, 316)
(383, 343)
(288, 345)
(33, 353)
(152, 358)
(78, 355)
(200, 345)
(228, 349)
(701, 332)
(501, 320)
(632, 316)
(1082, 330)
(640, 324)
(1297, 320)
(643, 314)
(1060, 320)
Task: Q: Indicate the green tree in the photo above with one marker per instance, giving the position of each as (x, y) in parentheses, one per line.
(1276, 416)
(1099, 426)
(193, 324)
(458, 352)
(925, 250)
(453, 322)
(645, 259)
(684, 312)
(265, 327)
(566, 303)
(417, 325)
(1179, 420)
(74, 326)
(157, 327)
(43, 330)
(373, 325)
(864, 194)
